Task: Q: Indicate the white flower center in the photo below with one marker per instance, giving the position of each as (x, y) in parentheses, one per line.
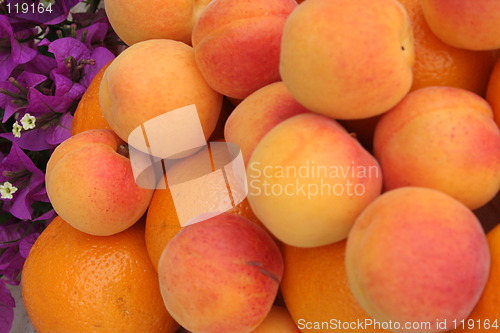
(28, 121)
(6, 190)
(16, 130)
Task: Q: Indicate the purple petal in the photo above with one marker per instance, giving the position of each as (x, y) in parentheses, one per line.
(40, 195)
(26, 244)
(87, 19)
(5, 296)
(7, 65)
(41, 64)
(16, 160)
(6, 101)
(11, 264)
(10, 109)
(6, 317)
(95, 33)
(18, 156)
(5, 27)
(71, 3)
(46, 216)
(21, 207)
(29, 79)
(60, 132)
(30, 140)
(44, 42)
(21, 204)
(39, 139)
(62, 82)
(7, 303)
(66, 87)
(8, 257)
(76, 92)
(66, 47)
(101, 56)
(39, 103)
(9, 234)
(21, 52)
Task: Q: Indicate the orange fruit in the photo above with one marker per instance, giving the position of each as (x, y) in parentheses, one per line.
(487, 310)
(493, 92)
(438, 64)
(278, 320)
(162, 222)
(88, 114)
(75, 282)
(316, 290)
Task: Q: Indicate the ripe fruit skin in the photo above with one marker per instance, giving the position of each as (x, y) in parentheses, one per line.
(308, 180)
(439, 64)
(487, 309)
(88, 114)
(237, 44)
(151, 78)
(277, 321)
(91, 185)
(135, 21)
(493, 92)
(471, 25)
(347, 59)
(220, 275)
(417, 255)
(315, 287)
(75, 282)
(443, 138)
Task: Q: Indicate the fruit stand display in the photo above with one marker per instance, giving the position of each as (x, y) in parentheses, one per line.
(249, 166)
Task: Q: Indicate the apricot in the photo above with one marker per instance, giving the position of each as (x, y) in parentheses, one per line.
(443, 138)
(151, 78)
(348, 59)
(139, 21)
(308, 180)
(220, 275)
(416, 255)
(90, 184)
(237, 44)
(471, 25)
